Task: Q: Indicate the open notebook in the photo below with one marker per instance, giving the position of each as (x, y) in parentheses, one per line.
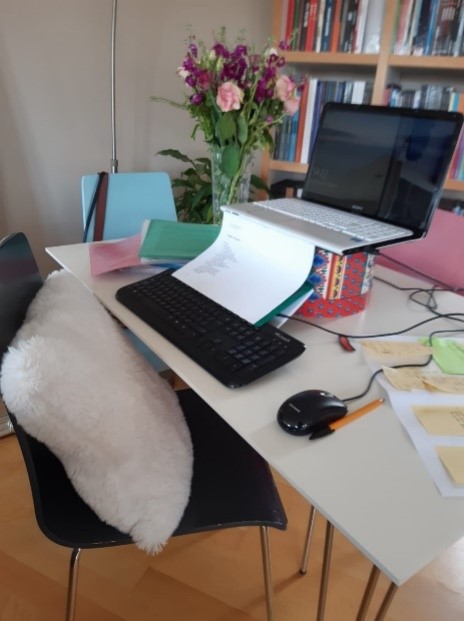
(375, 177)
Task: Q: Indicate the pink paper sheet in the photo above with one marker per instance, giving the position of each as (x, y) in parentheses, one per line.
(114, 255)
(439, 255)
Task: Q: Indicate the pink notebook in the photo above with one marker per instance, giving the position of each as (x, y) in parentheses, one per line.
(439, 255)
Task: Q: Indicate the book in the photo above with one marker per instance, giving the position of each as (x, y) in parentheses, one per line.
(446, 28)
(360, 26)
(405, 11)
(327, 25)
(336, 26)
(309, 112)
(374, 20)
(170, 240)
(312, 23)
(301, 122)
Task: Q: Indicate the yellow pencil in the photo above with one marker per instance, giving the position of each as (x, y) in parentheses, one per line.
(349, 418)
(328, 429)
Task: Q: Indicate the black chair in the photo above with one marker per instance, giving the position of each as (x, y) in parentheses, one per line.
(232, 485)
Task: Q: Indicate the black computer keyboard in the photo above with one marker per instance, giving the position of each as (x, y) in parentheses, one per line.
(233, 350)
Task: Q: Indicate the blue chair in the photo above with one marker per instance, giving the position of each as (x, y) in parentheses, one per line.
(131, 199)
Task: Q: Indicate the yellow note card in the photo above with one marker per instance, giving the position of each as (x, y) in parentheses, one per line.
(441, 420)
(445, 383)
(452, 458)
(406, 350)
(409, 378)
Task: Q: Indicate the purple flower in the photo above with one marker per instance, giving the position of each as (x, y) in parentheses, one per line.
(196, 99)
(220, 50)
(193, 50)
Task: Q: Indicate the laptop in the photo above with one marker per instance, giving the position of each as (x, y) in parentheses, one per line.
(375, 177)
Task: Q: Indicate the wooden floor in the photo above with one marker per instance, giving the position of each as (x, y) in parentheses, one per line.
(211, 577)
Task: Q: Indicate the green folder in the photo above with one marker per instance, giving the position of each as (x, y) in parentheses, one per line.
(168, 239)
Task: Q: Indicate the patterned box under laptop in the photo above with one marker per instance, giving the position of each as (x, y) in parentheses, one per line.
(341, 284)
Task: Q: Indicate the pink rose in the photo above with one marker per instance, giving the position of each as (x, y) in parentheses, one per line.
(291, 105)
(285, 88)
(229, 97)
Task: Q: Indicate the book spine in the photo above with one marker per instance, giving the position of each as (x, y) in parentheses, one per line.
(419, 40)
(458, 29)
(319, 26)
(316, 115)
(309, 113)
(351, 17)
(336, 26)
(431, 29)
(312, 24)
(293, 135)
(302, 122)
(402, 38)
(304, 25)
(289, 27)
(360, 26)
(283, 20)
(327, 25)
(296, 25)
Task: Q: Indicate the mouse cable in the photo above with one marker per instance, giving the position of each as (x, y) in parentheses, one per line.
(453, 316)
(400, 366)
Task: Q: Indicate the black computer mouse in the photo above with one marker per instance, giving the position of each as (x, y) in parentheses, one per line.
(306, 411)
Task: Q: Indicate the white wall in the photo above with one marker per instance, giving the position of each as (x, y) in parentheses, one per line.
(55, 98)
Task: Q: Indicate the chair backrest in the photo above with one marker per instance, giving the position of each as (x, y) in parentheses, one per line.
(20, 280)
(131, 199)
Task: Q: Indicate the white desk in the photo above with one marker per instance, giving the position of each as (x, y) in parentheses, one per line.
(367, 478)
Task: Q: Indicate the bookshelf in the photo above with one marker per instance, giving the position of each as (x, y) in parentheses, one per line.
(381, 69)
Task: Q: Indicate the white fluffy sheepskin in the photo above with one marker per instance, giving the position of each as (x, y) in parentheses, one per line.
(75, 383)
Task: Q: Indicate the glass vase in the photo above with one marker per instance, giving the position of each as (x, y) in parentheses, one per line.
(229, 190)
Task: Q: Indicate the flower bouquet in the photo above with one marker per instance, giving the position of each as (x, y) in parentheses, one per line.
(236, 97)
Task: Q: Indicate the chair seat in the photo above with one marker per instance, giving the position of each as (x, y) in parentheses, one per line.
(231, 486)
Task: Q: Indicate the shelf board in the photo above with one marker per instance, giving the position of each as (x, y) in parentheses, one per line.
(444, 63)
(454, 185)
(332, 58)
(293, 167)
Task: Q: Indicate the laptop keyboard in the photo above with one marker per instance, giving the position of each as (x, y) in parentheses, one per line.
(231, 349)
(347, 223)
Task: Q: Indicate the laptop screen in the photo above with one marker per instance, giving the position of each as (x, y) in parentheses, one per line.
(386, 163)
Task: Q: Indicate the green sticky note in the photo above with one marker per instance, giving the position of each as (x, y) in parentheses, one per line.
(449, 355)
(167, 239)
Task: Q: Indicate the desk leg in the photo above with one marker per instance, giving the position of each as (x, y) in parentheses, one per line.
(325, 571)
(387, 600)
(368, 593)
(307, 543)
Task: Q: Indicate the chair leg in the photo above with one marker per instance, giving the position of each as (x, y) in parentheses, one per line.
(72, 584)
(264, 533)
(307, 543)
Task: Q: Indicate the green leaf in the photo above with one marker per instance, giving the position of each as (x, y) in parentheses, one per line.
(258, 183)
(230, 160)
(225, 127)
(242, 127)
(176, 154)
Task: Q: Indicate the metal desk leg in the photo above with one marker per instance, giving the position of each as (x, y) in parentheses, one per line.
(307, 543)
(325, 571)
(368, 593)
(387, 600)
